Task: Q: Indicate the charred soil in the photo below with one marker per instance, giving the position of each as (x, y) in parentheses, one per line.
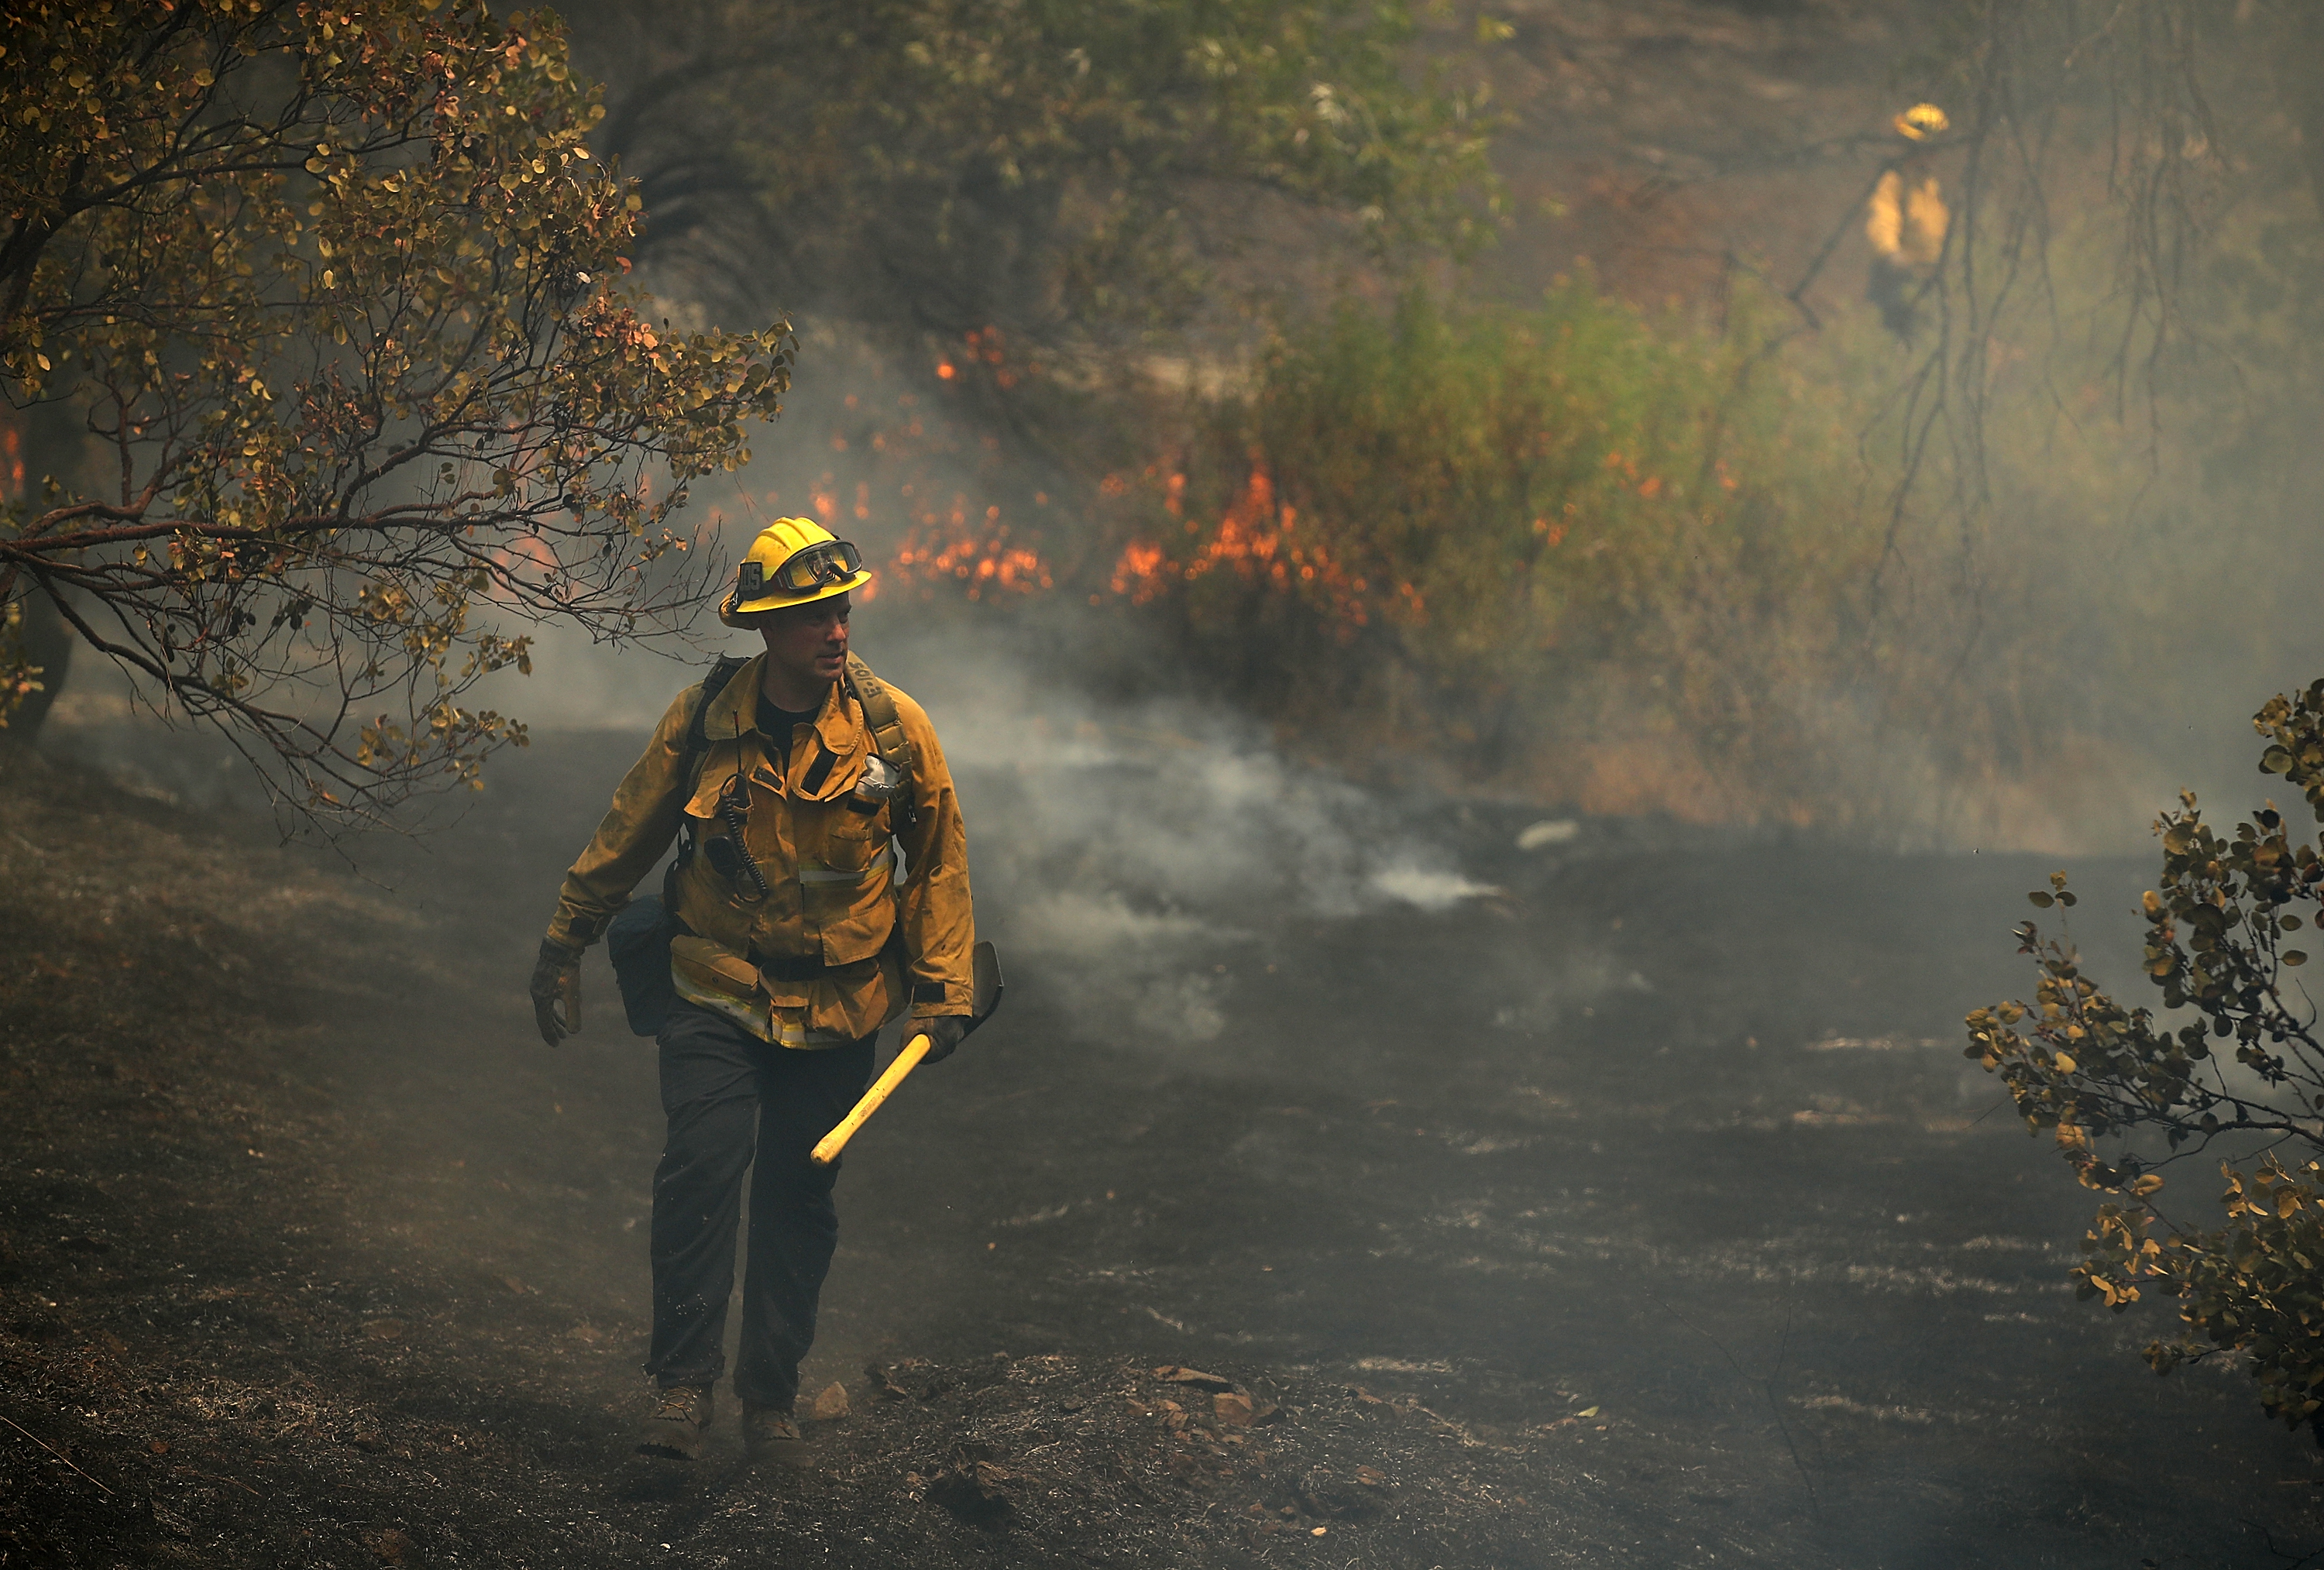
(1635, 1209)
(205, 1360)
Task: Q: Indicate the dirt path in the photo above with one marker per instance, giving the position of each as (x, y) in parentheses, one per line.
(256, 1312)
(1619, 1217)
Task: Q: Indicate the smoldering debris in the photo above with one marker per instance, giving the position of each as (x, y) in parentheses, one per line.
(242, 1376)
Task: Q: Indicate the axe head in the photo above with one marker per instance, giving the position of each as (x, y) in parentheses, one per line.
(984, 986)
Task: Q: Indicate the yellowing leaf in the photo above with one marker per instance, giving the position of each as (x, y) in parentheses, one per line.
(193, 315)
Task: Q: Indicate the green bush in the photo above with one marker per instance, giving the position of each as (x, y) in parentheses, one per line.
(1490, 529)
(1581, 553)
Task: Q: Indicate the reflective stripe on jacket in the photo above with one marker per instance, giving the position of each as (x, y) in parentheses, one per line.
(812, 963)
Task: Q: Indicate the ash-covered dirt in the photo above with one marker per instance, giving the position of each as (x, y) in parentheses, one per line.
(1638, 1211)
(223, 1340)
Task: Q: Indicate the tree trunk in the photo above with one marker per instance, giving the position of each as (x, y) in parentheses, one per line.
(48, 642)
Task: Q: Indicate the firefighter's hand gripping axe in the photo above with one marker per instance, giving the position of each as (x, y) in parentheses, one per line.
(984, 996)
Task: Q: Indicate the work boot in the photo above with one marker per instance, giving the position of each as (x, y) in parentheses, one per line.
(770, 1439)
(674, 1428)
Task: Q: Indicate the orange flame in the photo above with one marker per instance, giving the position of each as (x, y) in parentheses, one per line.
(979, 555)
(1140, 573)
(1253, 539)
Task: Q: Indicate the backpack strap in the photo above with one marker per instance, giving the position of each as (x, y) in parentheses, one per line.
(713, 682)
(697, 742)
(887, 736)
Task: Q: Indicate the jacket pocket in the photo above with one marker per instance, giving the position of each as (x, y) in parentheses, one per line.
(840, 840)
(853, 929)
(707, 905)
(711, 967)
(847, 819)
(722, 761)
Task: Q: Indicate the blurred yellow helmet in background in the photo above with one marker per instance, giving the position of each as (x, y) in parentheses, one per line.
(1921, 122)
(795, 561)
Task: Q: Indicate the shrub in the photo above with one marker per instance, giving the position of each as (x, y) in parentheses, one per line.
(2246, 1075)
(1483, 525)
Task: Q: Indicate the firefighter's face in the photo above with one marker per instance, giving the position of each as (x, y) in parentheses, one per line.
(808, 642)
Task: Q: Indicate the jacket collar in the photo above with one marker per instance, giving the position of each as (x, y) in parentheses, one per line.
(839, 726)
(734, 706)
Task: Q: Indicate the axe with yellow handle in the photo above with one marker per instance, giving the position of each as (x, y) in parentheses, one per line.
(984, 996)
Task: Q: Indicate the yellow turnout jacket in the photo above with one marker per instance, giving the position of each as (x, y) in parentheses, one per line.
(837, 946)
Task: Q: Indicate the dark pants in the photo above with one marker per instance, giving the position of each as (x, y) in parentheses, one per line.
(730, 1096)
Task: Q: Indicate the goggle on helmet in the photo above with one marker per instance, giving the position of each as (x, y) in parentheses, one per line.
(795, 561)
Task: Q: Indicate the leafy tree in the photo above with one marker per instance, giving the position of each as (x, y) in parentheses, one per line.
(338, 290)
(2246, 1075)
(1062, 171)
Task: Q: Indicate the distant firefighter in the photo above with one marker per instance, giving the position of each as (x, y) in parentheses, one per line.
(1906, 221)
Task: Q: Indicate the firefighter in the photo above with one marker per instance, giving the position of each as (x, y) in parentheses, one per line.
(1905, 220)
(792, 783)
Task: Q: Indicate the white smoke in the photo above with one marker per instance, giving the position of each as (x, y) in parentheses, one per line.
(1131, 848)
(1124, 849)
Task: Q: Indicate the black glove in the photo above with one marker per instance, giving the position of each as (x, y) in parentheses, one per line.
(557, 979)
(944, 1033)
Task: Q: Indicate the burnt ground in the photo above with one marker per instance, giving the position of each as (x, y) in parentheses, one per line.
(1641, 1213)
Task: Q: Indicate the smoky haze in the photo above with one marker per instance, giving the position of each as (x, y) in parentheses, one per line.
(1469, 1093)
(1515, 1109)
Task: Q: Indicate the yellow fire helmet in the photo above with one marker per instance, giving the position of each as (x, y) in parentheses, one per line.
(1921, 122)
(795, 561)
